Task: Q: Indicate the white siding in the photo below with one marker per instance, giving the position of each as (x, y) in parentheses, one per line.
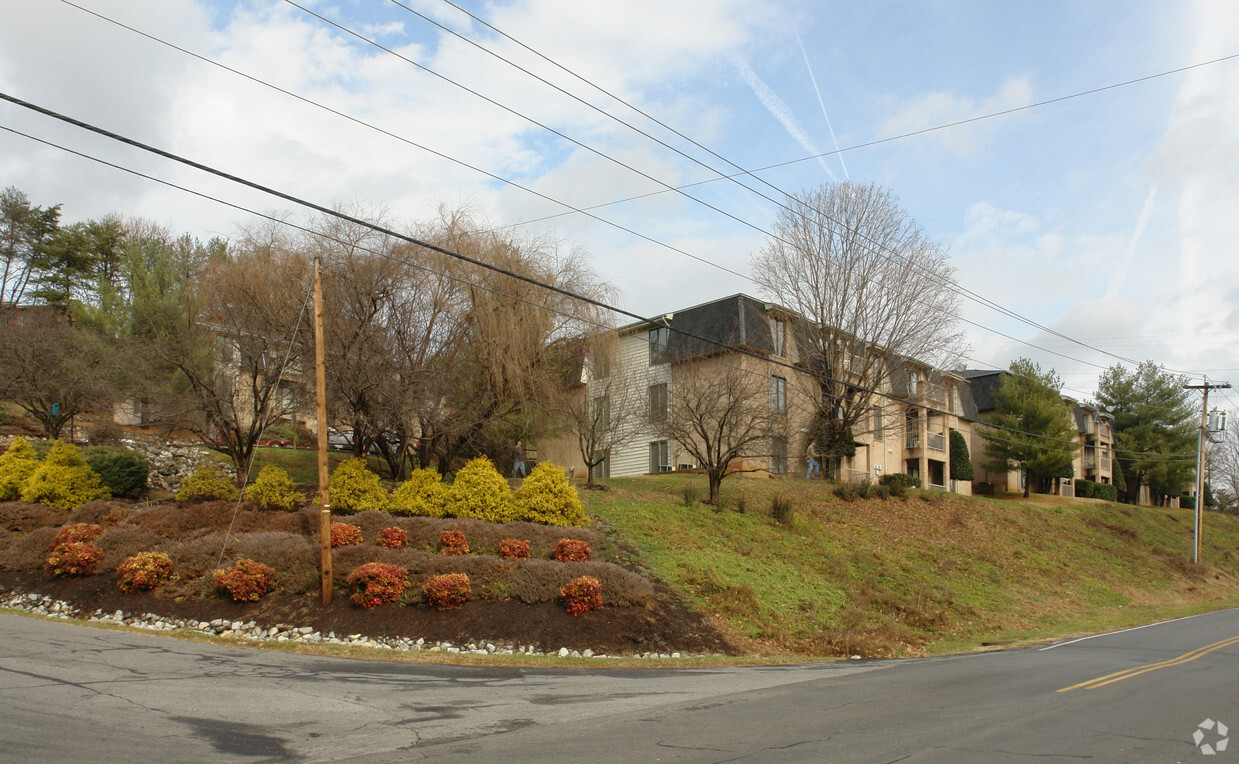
(633, 457)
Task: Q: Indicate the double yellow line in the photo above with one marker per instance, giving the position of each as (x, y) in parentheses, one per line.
(1119, 676)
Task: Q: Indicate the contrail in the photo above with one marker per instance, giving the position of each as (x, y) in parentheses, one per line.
(780, 110)
(1120, 279)
(829, 126)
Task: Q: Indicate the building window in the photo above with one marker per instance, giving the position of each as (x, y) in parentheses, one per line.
(778, 336)
(658, 345)
(778, 456)
(778, 395)
(602, 410)
(877, 422)
(658, 402)
(660, 456)
(913, 380)
(601, 365)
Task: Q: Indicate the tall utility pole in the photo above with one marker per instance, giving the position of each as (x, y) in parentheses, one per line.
(320, 377)
(1201, 439)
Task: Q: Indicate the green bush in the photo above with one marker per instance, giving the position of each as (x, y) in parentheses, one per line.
(16, 465)
(63, 480)
(121, 470)
(208, 482)
(273, 490)
(1088, 489)
(354, 488)
(547, 497)
(899, 483)
(479, 491)
(423, 495)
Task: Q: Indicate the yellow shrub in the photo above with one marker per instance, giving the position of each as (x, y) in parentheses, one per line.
(63, 480)
(208, 482)
(423, 494)
(547, 497)
(273, 490)
(16, 465)
(480, 491)
(354, 488)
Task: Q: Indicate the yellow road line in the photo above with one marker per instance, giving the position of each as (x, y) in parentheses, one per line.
(1118, 676)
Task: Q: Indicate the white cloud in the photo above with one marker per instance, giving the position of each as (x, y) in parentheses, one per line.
(942, 108)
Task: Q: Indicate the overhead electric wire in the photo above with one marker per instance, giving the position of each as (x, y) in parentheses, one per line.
(946, 283)
(435, 248)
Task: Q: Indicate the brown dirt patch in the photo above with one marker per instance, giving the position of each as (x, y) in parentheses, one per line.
(664, 624)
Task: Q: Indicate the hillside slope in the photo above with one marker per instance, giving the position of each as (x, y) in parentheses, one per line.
(928, 574)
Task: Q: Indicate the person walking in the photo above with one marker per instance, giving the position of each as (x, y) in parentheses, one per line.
(518, 462)
(811, 456)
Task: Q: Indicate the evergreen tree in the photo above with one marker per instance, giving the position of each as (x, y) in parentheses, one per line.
(1036, 426)
(961, 460)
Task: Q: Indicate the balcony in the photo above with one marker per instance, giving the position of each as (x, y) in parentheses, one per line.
(937, 441)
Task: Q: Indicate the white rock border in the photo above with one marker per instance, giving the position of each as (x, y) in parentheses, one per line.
(244, 631)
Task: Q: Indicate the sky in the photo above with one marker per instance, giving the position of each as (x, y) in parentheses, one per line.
(1079, 161)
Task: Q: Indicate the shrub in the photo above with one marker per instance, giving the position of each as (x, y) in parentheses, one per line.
(343, 534)
(143, 572)
(245, 580)
(63, 480)
(547, 497)
(423, 494)
(208, 482)
(77, 532)
(453, 543)
(514, 549)
(571, 550)
(354, 488)
(781, 510)
(16, 465)
(376, 583)
(582, 595)
(393, 538)
(273, 490)
(76, 558)
(447, 591)
(899, 483)
(121, 470)
(480, 491)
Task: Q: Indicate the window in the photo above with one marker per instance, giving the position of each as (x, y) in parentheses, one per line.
(658, 345)
(658, 402)
(913, 379)
(778, 336)
(601, 410)
(601, 365)
(877, 422)
(778, 395)
(778, 456)
(660, 456)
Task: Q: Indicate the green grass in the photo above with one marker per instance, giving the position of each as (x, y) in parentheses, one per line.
(928, 574)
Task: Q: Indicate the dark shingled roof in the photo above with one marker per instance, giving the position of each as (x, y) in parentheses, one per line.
(736, 320)
(982, 384)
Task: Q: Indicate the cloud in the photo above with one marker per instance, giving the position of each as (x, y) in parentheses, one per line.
(779, 109)
(944, 108)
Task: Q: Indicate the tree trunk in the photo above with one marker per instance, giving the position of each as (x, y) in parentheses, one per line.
(716, 480)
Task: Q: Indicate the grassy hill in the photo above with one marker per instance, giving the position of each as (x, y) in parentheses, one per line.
(932, 573)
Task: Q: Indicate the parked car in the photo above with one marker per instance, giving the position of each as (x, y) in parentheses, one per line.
(340, 441)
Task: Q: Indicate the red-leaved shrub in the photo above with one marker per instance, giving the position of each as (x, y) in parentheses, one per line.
(513, 549)
(343, 534)
(453, 542)
(582, 595)
(393, 538)
(75, 558)
(376, 583)
(447, 591)
(71, 534)
(143, 572)
(571, 550)
(246, 580)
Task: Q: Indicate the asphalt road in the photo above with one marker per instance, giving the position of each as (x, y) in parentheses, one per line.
(72, 692)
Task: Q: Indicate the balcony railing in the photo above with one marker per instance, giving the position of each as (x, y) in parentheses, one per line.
(913, 441)
(1105, 461)
(936, 487)
(1089, 462)
(937, 441)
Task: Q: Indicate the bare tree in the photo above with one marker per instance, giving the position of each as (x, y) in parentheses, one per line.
(605, 407)
(1223, 454)
(723, 415)
(53, 370)
(873, 289)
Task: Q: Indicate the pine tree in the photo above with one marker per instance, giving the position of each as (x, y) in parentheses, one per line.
(1033, 426)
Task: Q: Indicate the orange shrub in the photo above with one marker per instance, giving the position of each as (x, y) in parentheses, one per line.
(514, 549)
(447, 591)
(71, 534)
(76, 558)
(393, 538)
(453, 542)
(246, 580)
(571, 550)
(343, 534)
(143, 572)
(582, 595)
(376, 583)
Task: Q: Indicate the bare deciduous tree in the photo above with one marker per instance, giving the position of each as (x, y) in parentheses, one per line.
(851, 261)
(722, 414)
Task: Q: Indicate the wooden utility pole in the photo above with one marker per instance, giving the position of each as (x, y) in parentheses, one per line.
(320, 377)
(1201, 438)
